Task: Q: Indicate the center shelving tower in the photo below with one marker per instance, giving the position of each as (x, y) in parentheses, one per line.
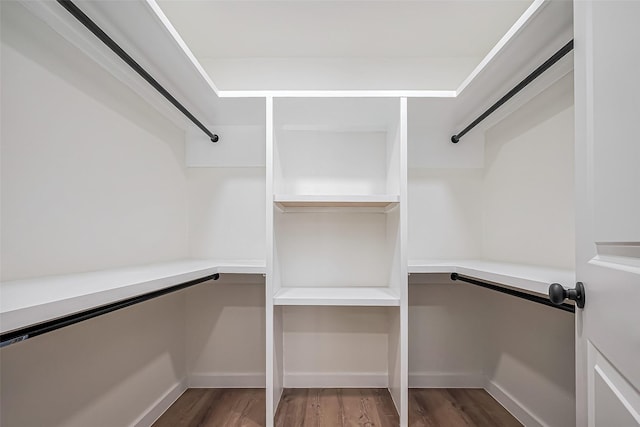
(336, 245)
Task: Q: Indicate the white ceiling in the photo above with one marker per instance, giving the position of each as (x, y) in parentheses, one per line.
(222, 32)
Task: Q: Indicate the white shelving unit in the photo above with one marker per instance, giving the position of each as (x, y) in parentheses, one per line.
(337, 203)
(337, 221)
(337, 185)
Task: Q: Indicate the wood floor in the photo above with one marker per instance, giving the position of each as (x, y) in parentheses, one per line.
(216, 407)
(336, 408)
(456, 407)
(329, 407)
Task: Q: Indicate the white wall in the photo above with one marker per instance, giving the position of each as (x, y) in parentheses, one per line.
(447, 328)
(530, 359)
(226, 212)
(103, 372)
(519, 209)
(335, 346)
(332, 249)
(528, 208)
(225, 329)
(92, 178)
(529, 218)
(225, 325)
(445, 220)
(521, 352)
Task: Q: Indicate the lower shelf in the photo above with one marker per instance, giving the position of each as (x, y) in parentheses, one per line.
(337, 296)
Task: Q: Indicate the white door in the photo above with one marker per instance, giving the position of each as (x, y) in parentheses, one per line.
(607, 99)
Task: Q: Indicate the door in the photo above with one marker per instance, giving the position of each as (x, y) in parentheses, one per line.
(607, 99)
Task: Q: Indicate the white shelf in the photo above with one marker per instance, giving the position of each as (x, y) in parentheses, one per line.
(543, 29)
(535, 279)
(249, 266)
(31, 301)
(144, 32)
(337, 296)
(286, 201)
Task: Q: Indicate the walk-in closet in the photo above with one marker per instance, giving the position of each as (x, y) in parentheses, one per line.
(283, 213)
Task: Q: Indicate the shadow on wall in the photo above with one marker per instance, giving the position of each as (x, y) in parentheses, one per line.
(548, 104)
(446, 332)
(41, 44)
(225, 324)
(221, 224)
(109, 368)
(465, 336)
(528, 183)
(531, 355)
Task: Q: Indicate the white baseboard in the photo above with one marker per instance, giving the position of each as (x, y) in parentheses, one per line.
(336, 380)
(513, 405)
(160, 406)
(225, 380)
(446, 380)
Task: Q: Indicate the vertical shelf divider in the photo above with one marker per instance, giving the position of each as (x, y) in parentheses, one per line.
(273, 383)
(404, 273)
(398, 324)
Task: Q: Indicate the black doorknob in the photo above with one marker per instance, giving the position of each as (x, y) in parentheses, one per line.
(557, 294)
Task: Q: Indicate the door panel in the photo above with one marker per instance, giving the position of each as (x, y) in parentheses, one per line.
(616, 67)
(607, 97)
(614, 401)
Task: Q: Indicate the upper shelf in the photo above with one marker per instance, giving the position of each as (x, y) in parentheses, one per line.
(381, 202)
(32, 301)
(525, 277)
(144, 32)
(539, 33)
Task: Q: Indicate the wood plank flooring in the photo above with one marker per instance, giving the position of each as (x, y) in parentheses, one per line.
(216, 407)
(336, 407)
(332, 407)
(457, 407)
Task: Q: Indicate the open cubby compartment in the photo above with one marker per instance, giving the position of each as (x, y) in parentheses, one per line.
(509, 196)
(497, 204)
(520, 352)
(341, 257)
(347, 149)
(216, 316)
(337, 347)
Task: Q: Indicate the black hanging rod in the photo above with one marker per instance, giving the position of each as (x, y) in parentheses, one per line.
(115, 47)
(540, 300)
(23, 334)
(531, 77)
